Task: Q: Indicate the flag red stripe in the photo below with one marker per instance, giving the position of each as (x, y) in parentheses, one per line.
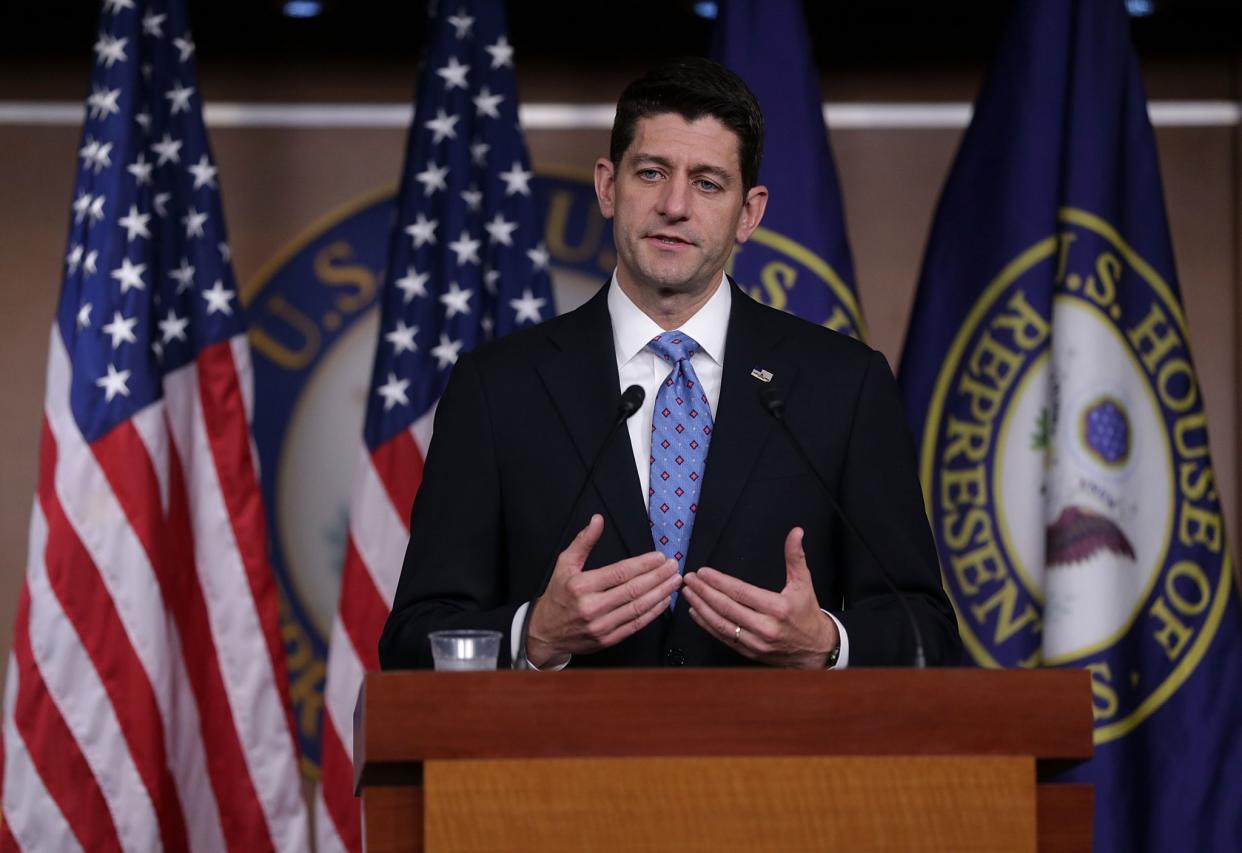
(363, 611)
(399, 464)
(169, 545)
(338, 794)
(75, 580)
(53, 749)
(7, 841)
(228, 433)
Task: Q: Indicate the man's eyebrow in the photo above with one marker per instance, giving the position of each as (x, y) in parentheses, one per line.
(696, 169)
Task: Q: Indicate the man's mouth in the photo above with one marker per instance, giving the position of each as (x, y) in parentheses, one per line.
(669, 240)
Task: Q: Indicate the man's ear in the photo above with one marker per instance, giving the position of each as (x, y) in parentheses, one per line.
(752, 212)
(605, 186)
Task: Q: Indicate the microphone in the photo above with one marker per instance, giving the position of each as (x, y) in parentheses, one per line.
(631, 401)
(775, 406)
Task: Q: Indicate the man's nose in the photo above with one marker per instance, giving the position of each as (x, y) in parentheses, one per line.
(674, 202)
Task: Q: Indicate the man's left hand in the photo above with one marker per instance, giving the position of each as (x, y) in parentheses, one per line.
(784, 628)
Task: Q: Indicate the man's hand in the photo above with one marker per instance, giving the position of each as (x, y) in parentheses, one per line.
(587, 611)
(782, 629)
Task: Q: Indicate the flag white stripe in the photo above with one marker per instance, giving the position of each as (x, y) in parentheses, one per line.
(326, 838)
(340, 694)
(340, 691)
(245, 666)
(149, 424)
(421, 429)
(245, 375)
(30, 813)
(242, 364)
(379, 533)
(339, 697)
(188, 760)
(76, 690)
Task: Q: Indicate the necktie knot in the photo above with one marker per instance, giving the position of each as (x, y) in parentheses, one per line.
(673, 346)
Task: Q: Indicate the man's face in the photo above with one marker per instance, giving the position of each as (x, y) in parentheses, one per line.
(677, 204)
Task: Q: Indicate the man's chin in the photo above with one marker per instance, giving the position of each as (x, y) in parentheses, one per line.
(669, 281)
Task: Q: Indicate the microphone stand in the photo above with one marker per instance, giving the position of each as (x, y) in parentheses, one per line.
(631, 401)
(775, 406)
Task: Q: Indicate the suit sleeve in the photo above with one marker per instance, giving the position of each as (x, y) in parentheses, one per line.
(880, 492)
(452, 576)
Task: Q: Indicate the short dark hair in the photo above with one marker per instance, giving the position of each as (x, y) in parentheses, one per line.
(693, 87)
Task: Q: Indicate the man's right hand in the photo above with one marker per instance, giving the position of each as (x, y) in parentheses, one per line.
(583, 612)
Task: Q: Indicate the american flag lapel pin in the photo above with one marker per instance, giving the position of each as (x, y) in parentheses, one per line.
(761, 374)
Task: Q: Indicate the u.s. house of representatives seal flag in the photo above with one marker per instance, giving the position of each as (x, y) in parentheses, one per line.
(799, 259)
(1065, 454)
(145, 706)
(465, 263)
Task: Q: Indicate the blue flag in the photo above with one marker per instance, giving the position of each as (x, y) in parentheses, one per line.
(799, 258)
(1064, 450)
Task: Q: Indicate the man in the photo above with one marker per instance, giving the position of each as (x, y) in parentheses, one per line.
(704, 538)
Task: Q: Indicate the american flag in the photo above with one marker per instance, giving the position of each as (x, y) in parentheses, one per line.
(465, 263)
(144, 705)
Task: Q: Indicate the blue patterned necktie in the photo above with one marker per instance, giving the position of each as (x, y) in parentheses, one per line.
(681, 430)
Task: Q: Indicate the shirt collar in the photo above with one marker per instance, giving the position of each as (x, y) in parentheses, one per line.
(632, 329)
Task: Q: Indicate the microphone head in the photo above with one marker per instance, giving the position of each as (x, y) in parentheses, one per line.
(772, 402)
(631, 400)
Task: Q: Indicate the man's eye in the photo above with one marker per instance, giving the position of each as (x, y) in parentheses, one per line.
(707, 186)
(649, 174)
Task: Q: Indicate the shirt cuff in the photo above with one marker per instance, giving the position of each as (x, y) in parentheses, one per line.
(843, 659)
(515, 639)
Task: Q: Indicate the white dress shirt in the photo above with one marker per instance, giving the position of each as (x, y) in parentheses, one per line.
(632, 330)
(637, 365)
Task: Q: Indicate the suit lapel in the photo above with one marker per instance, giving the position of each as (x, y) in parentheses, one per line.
(742, 426)
(581, 379)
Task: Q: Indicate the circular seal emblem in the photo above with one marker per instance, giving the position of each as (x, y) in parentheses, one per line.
(1066, 471)
(778, 271)
(313, 321)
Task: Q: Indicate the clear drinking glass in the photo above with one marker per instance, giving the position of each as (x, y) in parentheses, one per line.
(464, 650)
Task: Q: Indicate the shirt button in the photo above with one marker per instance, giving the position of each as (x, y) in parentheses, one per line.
(675, 657)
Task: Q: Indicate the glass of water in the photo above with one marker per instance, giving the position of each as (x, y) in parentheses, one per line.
(464, 650)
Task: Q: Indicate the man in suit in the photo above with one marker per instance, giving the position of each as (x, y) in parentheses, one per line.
(704, 539)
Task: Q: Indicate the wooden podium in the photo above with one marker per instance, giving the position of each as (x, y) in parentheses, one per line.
(720, 759)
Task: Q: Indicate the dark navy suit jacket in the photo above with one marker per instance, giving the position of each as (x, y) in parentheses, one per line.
(522, 418)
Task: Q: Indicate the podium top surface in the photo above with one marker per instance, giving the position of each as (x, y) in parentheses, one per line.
(410, 717)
